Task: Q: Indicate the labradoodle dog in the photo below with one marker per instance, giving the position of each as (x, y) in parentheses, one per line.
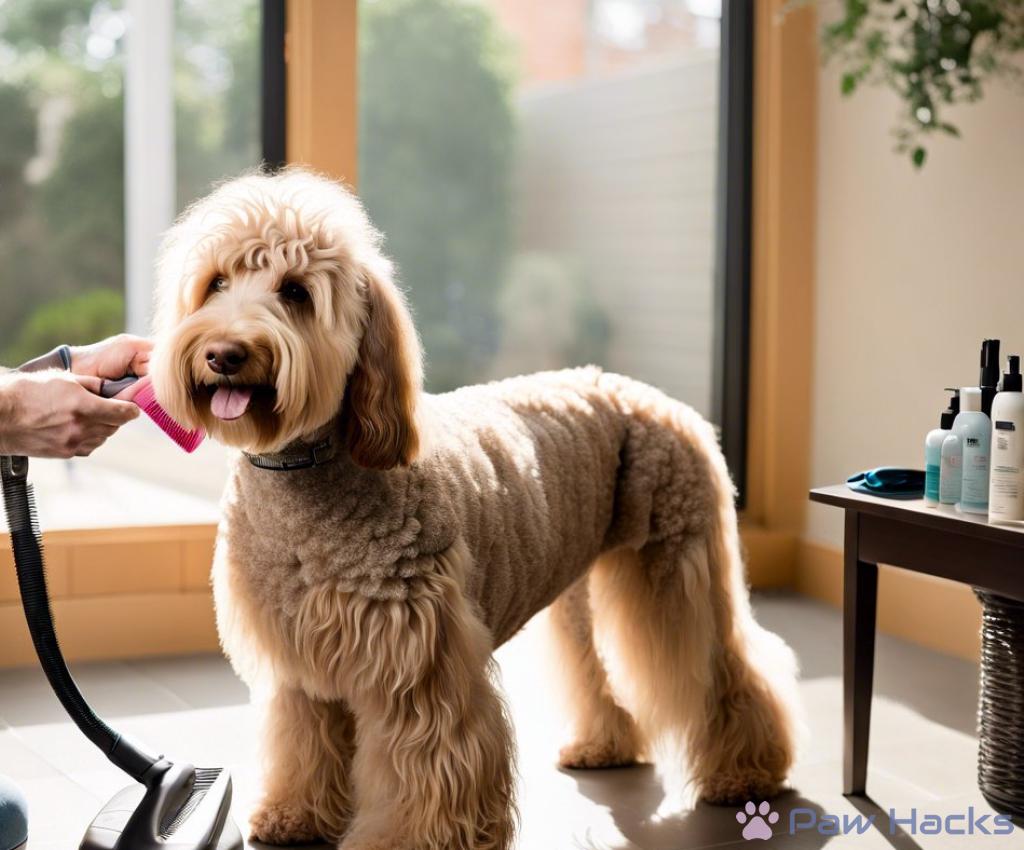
(379, 542)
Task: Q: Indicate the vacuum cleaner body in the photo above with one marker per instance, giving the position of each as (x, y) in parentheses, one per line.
(174, 806)
(181, 807)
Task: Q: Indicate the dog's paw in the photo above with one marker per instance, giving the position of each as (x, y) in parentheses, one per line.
(726, 789)
(582, 755)
(280, 823)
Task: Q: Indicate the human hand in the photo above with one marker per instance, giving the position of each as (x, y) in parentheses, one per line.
(56, 414)
(115, 357)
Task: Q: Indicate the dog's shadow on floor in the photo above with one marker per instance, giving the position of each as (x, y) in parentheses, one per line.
(632, 796)
(259, 845)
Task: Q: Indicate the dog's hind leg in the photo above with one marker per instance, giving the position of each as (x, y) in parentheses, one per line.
(689, 660)
(672, 613)
(686, 665)
(605, 734)
(307, 794)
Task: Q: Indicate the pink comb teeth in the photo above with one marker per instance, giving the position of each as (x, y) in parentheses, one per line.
(145, 398)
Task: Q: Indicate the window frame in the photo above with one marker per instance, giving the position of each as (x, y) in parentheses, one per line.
(733, 248)
(273, 84)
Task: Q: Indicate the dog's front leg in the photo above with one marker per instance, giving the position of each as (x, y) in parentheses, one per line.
(307, 793)
(433, 766)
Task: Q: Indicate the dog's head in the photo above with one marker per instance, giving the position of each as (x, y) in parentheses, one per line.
(277, 314)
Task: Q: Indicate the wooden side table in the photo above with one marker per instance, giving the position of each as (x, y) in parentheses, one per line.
(905, 534)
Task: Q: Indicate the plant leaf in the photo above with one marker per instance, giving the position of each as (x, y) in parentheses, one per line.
(848, 84)
(918, 156)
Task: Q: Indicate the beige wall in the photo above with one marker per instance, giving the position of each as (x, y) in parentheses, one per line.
(913, 270)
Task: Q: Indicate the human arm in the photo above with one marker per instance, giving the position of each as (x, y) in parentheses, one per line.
(54, 414)
(50, 413)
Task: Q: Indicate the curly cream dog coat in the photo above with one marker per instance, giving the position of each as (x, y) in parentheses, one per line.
(369, 591)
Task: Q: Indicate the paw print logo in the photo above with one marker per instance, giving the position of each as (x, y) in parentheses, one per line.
(756, 820)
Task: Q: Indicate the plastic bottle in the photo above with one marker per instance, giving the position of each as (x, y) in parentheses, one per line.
(951, 474)
(974, 429)
(1006, 481)
(933, 450)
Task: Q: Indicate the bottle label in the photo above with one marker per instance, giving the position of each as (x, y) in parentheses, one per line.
(974, 495)
(1006, 487)
(950, 480)
(1006, 482)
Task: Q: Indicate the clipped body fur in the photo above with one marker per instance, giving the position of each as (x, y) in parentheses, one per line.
(368, 593)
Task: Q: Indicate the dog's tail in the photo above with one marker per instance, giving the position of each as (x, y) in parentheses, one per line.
(688, 658)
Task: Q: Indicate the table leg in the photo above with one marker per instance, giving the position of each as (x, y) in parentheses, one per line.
(860, 599)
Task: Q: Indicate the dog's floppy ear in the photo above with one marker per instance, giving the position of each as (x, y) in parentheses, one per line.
(382, 391)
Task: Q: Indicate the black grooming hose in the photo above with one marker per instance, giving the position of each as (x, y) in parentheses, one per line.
(28, 558)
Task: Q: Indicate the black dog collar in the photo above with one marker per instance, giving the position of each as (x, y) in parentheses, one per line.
(293, 457)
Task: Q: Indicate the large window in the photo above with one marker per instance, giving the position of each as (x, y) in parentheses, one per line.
(545, 175)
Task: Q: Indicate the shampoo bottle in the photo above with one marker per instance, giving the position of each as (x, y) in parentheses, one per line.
(1006, 482)
(933, 450)
(974, 429)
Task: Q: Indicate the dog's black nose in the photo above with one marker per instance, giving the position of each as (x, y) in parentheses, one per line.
(226, 358)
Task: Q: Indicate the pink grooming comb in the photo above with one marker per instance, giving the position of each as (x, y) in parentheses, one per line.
(145, 397)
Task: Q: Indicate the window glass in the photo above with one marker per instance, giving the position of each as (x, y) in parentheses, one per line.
(62, 178)
(216, 92)
(545, 176)
(61, 154)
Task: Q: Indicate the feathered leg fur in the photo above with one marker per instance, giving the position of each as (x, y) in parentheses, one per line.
(605, 734)
(307, 792)
(694, 667)
(672, 616)
(433, 763)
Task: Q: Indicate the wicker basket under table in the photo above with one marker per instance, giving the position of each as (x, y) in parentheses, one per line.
(1001, 704)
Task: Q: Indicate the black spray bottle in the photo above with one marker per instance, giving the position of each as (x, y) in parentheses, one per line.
(989, 380)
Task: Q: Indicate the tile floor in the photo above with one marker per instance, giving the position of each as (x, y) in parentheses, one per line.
(922, 757)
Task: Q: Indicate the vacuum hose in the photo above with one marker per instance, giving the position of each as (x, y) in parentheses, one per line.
(28, 557)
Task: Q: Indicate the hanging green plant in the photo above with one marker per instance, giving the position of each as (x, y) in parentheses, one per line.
(932, 53)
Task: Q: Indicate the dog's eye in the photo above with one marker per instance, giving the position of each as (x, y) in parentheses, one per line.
(218, 284)
(294, 292)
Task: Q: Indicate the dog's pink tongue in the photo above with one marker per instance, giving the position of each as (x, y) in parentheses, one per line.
(230, 402)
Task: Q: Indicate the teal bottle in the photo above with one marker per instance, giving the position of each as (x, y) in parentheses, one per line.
(933, 450)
